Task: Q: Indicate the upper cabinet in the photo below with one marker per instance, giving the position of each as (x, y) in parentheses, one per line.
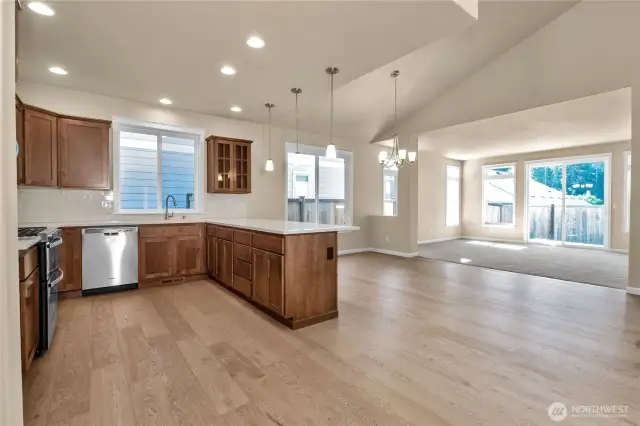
(61, 151)
(40, 147)
(83, 153)
(228, 165)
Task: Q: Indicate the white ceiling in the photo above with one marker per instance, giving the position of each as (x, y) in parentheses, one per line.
(147, 50)
(601, 118)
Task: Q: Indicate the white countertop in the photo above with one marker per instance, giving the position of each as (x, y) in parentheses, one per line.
(273, 226)
(27, 243)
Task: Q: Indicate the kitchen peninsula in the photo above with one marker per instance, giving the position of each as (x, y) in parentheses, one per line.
(286, 269)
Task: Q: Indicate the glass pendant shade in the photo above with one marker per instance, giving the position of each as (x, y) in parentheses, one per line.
(412, 156)
(331, 151)
(382, 156)
(269, 165)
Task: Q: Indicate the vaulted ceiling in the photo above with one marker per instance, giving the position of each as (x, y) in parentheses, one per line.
(147, 50)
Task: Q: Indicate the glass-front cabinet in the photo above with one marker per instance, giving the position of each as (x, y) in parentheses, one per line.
(228, 165)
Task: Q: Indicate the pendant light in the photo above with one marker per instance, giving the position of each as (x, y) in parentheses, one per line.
(331, 148)
(296, 91)
(269, 164)
(398, 157)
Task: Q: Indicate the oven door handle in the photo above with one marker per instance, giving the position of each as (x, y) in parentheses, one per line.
(53, 284)
(56, 243)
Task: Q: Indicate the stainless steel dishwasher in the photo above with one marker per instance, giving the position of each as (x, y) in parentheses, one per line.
(109, 259)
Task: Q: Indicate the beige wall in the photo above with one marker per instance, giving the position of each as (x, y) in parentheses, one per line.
(472, 192)
(432, 184)
(268, 189)
(11, 383)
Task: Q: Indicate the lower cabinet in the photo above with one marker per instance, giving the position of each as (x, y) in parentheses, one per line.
(211, 255)
(189, 259)
(156, 258)
(268, 280)
(224, 262)
(71, 259)
(29, 318)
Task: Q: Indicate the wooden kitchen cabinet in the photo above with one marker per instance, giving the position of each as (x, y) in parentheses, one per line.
(228, 165)
(40, 147)
(29, 318)
(20, 139)
(211, 255)
(71, 259)
(83, 153)
(268, 280)
(189, 255)
(224, 262)
(156, 258)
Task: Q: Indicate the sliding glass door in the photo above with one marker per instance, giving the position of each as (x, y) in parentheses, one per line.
(567, 201)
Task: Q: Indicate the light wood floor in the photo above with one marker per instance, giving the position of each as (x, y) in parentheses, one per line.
(417, 342)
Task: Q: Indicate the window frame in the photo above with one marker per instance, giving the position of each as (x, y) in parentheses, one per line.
(347, 156)
(384, 200)
(446, 195)
(123, 124)
(627, 191)
(485, 178)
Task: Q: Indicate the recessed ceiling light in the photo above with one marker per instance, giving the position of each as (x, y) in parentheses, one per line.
(166, 101)
(236, 109)
(41, 8)
(227, 70)
(58, 70)
(255, 42)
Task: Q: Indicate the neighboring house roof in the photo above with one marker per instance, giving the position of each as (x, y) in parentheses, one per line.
(501, 191)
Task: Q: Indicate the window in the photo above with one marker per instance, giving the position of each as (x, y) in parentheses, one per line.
(627, 190)
(390, 191)
(153, 162)
(310, 173)
(499, 195)
(453, 196)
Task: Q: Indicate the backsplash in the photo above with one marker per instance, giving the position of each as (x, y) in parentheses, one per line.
(44, 205)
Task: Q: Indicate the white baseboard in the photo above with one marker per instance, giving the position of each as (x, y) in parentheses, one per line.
(633, 290)
(353, 251)
(620, 251)
(437, 240)
(496, 240)
(395, 253)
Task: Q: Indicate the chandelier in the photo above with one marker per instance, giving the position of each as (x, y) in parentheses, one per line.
(397, 157)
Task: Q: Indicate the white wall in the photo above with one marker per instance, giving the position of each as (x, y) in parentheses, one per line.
(268, 189)
(11, 379)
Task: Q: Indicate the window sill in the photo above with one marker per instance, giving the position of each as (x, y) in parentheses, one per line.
(498, 225)
(453, 226)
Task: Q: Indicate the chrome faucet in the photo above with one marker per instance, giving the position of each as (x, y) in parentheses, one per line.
(168, 216)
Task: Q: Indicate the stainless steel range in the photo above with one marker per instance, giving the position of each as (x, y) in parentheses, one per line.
(50, 277)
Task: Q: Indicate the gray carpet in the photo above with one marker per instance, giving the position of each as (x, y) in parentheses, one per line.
(597, 267)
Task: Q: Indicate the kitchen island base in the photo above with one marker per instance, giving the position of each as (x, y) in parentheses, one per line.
(291, 277)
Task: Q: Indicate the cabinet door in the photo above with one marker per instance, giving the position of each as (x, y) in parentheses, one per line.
(220, 163)
(71, 259)
(83, 154)
(241, 167)
(211, 255)
(156, 258)
(189, 255)
(20, 140)
(29, 319)
(40, 148)
(224, 262)
(268, 280)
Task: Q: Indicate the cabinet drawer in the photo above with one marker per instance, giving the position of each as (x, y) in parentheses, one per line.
(242, 237)
(224, 233)
(28, 263)
(242, 252)
(242, 268)
(153, 231)
(267, 242)
(243, 285)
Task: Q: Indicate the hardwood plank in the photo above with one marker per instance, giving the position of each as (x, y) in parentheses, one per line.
(104, 339)
(218, 385)
(111, 403)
